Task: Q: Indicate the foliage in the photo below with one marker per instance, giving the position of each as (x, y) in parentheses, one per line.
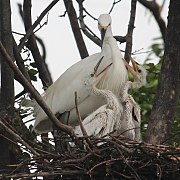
(145, 96)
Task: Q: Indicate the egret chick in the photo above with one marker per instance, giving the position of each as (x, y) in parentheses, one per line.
(103, 120)
(131, 120)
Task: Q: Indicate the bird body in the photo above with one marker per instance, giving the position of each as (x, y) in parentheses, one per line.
(60, 95)
(106, 118)
(131, 119)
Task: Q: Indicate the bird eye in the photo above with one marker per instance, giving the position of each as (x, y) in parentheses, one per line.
(92, 75)
(139, 71)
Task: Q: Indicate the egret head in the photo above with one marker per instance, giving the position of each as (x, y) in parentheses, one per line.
(104, 22)
(138, 71)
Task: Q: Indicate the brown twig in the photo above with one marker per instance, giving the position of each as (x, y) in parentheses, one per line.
(75, 28)
(114, 3)
(84, 27)
(81, 124)
(128, 48)
(18, 138)
(156, 11)
(37, 97)
(32, 45)
(36, 23)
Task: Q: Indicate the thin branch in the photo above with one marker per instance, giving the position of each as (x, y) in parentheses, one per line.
(121, 39)
(37, 97)
(156, 11)
(75, 28)
(90, 14)
(30, 31)
(18, 138)
(84, 27)
(32, 45)
(20, 61)
(128, 48)
(81, 124)
(114, 3)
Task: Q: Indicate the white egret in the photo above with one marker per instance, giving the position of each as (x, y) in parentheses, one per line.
(131, 120)
(103, 120)
(60, 95)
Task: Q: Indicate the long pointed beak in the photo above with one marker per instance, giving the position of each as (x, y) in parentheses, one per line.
(100, 74)
(103, 32)
(134, 68)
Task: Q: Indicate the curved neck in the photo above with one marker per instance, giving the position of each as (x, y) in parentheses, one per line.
(112, 100)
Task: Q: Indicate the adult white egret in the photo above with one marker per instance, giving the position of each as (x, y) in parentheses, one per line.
(60, 95)
(131, 119)
(103, 120)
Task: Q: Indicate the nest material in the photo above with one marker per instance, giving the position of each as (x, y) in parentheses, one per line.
(104, 158)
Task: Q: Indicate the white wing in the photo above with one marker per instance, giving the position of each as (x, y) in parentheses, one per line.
(99, 123)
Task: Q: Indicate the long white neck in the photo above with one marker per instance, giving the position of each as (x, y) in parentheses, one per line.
(131, 85)
(117, 73)
(112, 100)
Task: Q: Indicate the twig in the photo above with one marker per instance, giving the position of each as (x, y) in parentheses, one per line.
(114, 3)
(128, 48)
(30, 31)
(45, 23)
(76, 29)
(121, 39)
(32, 45)
(37, 97)
(85, 28)
(63, 15)
(156, 10)
(18, 138)
(90, 14)
(81, 124)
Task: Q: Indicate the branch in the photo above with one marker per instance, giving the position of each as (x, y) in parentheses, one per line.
(156, 11)
(75, 28)
(128, 48)
(18, 138)
(19, 60)
(32, 45)
(114, 3)
(37, 97)
(81, 124)
(85, 29)
(30, 30)
(121, 39)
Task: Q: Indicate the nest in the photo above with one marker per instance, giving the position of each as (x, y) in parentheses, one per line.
(114, 157)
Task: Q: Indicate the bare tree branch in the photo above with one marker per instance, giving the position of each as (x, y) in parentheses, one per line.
(76, 29)
(88, 32)
(85, 29)
(128, 48)
(32, 45)
(114, 3)
(156, 11)
(36, 23)
(19, 60)
(81, 124)
(17, 137)
(37, 97)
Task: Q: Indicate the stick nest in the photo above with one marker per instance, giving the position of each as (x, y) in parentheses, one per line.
(114, 157)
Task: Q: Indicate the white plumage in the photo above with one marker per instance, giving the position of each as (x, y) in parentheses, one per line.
(131, 119)
(107, 117)
(60, 95)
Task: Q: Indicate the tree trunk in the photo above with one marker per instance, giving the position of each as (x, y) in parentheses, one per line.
(7, 79)
(164, 109)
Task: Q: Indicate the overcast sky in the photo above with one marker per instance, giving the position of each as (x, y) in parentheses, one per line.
(58, 38)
